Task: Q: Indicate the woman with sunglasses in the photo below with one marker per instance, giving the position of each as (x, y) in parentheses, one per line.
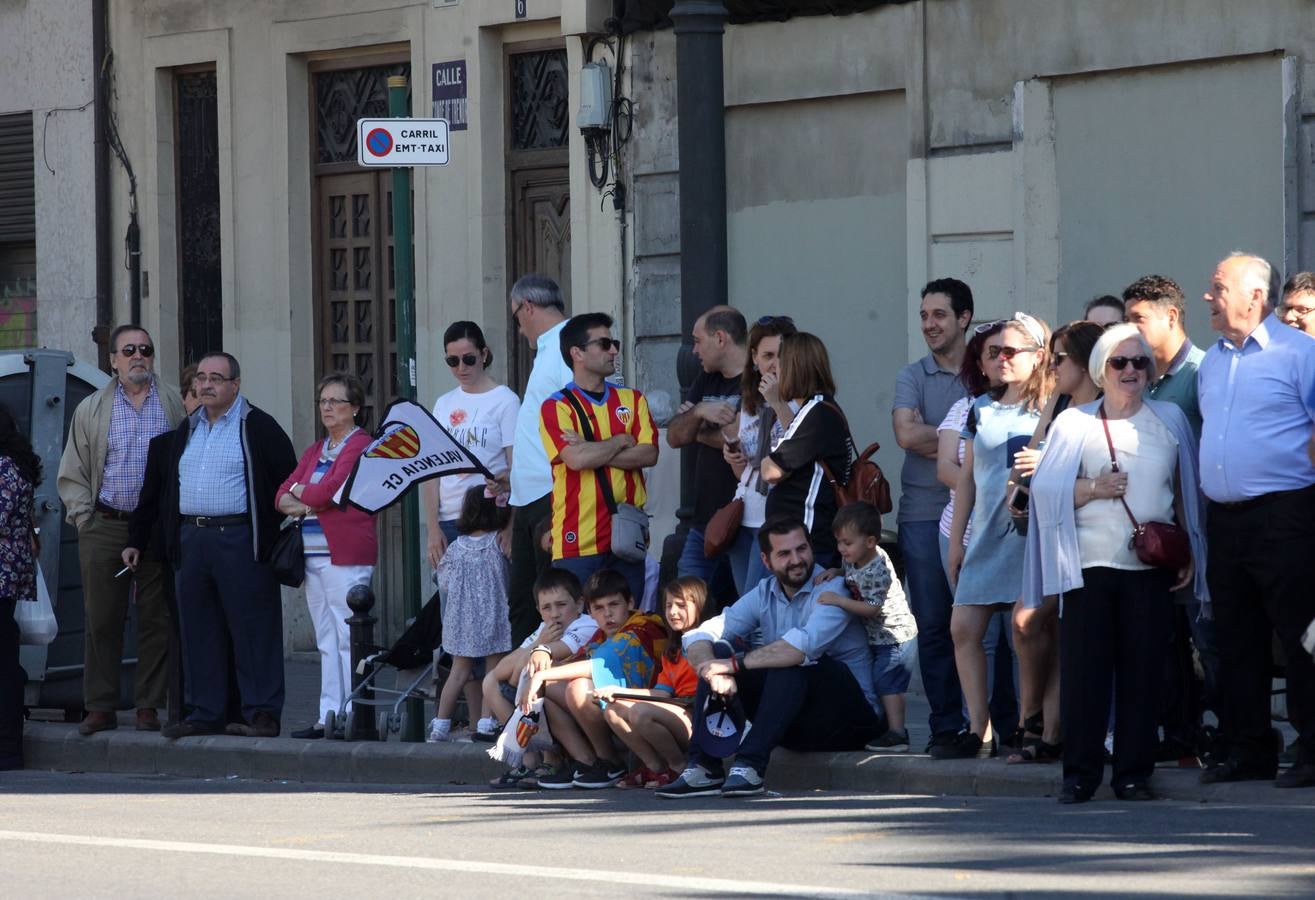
(481, 415)
(1036, 627)
(1106, 462)
(764, 416)
(340, 543)
(986, 575)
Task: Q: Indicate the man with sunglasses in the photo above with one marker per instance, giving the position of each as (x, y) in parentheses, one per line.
(593, 430)
(1257, 392)
(100, 478)
(721, 346)
(924, 392)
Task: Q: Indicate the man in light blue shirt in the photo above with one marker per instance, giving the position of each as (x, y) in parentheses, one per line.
(1257, 395)
(539, 312)
(807, 682)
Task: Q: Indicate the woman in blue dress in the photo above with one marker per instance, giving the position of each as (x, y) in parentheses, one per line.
(987, 576)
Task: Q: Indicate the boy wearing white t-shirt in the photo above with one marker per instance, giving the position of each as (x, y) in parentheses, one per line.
(564, 630)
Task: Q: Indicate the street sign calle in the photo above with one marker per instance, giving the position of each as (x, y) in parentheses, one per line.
(401, 142)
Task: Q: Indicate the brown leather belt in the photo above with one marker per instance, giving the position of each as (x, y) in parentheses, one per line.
(110, 512)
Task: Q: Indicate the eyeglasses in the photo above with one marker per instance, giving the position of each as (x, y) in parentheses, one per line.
(1300, 312)
(211, 378)
(1056, 358)
(333, 402)
(1009, 352)
(146, 350)
(1121, 362)
(604, 343)
(772, 320)
(987, 326)
(516, 310)
(469, 359)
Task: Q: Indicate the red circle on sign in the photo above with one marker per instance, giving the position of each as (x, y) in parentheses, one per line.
(379, 142)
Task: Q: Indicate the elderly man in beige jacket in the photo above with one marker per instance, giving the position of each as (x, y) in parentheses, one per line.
(100, 477)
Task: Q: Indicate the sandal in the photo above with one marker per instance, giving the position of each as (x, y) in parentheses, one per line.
(1040, 752)
(511, 778)
(661, 779)
(1028, 734)
(639, 778)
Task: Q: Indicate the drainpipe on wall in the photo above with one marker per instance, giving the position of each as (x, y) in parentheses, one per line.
(700, 113)
(100, 333)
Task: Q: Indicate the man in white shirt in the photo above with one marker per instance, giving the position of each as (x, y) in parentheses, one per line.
(540, 313)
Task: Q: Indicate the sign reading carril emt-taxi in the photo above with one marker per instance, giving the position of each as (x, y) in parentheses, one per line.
(401, 142)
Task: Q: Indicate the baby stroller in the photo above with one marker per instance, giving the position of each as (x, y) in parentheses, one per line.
(412, 660)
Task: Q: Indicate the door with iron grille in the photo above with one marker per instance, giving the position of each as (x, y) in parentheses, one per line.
(538, 180)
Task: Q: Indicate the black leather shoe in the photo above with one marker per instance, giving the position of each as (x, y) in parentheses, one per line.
(1237, 770)
(1071, 794)
(1137, 790)
(188, 728)
(1300, 775)
(309, 733)
(262, 725)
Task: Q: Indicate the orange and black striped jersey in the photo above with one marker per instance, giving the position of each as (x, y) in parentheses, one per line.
(581, 524)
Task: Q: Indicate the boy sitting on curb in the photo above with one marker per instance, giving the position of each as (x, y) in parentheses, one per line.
(625, 650)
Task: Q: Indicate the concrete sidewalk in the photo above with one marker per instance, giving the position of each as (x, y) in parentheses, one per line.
(57, 746)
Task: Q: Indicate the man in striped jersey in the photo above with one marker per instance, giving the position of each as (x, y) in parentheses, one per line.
(615, 441)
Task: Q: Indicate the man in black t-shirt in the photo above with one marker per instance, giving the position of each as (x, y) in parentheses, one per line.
(720, 339)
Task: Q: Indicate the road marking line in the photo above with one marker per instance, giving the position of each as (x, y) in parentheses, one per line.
(509, 870)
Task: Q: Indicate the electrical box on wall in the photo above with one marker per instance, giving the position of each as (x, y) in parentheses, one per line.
(595, 97)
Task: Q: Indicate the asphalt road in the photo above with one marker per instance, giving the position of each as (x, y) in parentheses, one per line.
(85, 835)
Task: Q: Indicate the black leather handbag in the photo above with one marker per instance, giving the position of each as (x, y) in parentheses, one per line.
(287, 559)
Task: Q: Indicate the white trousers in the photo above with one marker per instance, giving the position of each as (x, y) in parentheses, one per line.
(326, 596)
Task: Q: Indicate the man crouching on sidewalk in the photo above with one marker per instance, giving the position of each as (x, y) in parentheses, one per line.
(808, 686)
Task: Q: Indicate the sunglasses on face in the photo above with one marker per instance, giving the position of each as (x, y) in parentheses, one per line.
(1056, 358)
(469, 359)
(146, 350)
(1121, 362)
(604, 343)
(1009, 352)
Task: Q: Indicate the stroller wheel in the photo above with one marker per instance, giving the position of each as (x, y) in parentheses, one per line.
(331, 725)
(383, 726)
(395, 723)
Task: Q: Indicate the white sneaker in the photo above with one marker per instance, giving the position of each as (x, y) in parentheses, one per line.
(438, 734)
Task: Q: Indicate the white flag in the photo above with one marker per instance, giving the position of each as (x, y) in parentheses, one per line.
(409, 447)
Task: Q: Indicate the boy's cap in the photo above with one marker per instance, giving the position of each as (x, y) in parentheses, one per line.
(724, 726)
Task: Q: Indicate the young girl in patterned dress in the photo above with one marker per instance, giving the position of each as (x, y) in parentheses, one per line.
(472, 579)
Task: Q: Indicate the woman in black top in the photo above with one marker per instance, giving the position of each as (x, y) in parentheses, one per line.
(818, 435)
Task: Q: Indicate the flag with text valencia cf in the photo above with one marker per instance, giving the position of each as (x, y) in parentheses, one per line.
(408, 448)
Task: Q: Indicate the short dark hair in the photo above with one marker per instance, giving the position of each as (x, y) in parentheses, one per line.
(729, 320)
(780, 523)
(352, 385)
(553, 579)
(961, 296)
(605, 583)
(1301, 283)
(575, 333)
(234, 370)
(1078, 340)
(480, 513)
(1162, 291)
(860, 518)
(119, 332)
(1103, 300)
(471, 332)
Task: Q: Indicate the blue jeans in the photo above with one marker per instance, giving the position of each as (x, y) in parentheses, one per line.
(584, 566)
(717, 572)
(931, 602)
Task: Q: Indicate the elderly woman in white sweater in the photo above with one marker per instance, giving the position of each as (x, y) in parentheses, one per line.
(1115, 609)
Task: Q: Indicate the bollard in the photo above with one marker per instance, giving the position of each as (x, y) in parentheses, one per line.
(360, 625)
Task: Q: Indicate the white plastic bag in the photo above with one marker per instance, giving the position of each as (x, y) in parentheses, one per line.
(36, 619)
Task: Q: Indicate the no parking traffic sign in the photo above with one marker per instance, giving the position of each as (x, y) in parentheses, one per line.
(401, 142)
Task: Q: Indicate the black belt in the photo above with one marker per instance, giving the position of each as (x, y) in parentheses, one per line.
(110, 512)
(216, 521)
(1273, 496)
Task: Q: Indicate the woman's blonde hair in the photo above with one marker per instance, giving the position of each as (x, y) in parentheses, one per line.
(805, 367)
(1036, 390)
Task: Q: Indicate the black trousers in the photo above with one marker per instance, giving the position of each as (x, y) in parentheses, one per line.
(1260, 583)
(528, 560)
(806, 708)
(12, 681)
(1115, 628)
